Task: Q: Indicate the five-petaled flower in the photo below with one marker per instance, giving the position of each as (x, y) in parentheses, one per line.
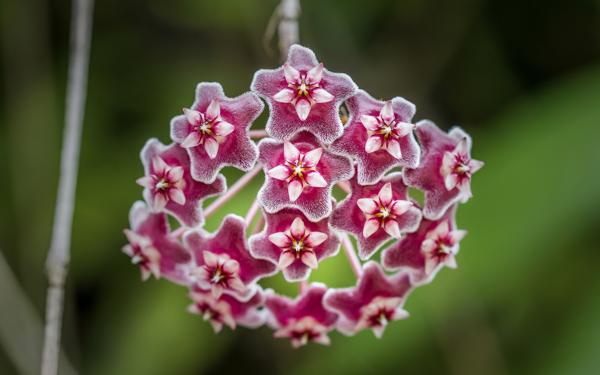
(227, 310)
(169, 185)
(303, 95)
(376, 213)
(376, 300)
(424, 252)
(379, 136)
(295, 243)
(152, 247)
(445, 171)
(303, 319)
(214, 131)
(223, 263)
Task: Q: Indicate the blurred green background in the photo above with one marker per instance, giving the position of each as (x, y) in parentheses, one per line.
(522, 77)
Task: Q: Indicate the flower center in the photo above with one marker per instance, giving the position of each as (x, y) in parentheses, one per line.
(162, 184)
(462, 169)
(297, 245)
(217, 276)
(205, 128)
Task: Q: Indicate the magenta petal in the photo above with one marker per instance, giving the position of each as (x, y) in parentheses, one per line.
(349, 217)
(155, 228)
(194, 192)
(314, 202)
(322, 118)
(263, 248)
(373, 283)
(230, 240)
(235, 149)
(427, 176)
(374, 162)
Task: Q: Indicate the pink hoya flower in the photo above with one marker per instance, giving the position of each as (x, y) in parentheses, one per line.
(300, 174)
(434, 245)
(375, 213)
(303, 95)
(214, 131)
(169, 186)
(445, 170)
(303, 319)
(152, 247)
(227, 310)
(295, 243)
(223, 263)
(379, 136)
(376, 300)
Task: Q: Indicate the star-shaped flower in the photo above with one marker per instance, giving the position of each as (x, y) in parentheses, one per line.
(303, 95)
(295, 243)
(169, 186)
(303, 319)
(152, 247)
(300, 174)
(214, 131)
(434, 245)
(227, 310)
(376, 300)
(446, 167)
(375, 213)
(223, 263)
(379, 136)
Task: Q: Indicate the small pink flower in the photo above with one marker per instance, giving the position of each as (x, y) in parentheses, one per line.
(214, 131)
(227, 310)
(169, 186)
(376, 300)
(376, 213)
(379, 136)
(303, 95)
(300, 175)
(445, 170)
(303, 319)
(152, 247)
(295, 243)
(433, 245)
(223, 263)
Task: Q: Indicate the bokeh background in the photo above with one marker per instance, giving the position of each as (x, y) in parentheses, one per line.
(523, 77)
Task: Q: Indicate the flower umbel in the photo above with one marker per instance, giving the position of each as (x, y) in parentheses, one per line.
(295, 222)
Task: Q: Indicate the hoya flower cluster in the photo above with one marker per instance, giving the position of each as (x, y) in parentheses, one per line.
(374, 156)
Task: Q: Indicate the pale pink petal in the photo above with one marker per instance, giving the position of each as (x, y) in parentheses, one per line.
(458, 235)
(310, 259)
(393, 148)
(322, 339)
(280, 172)
(284, 96)
(237, 285)
(145, 181)
(430, 265)
(373, 144)
(316, 238)
(291, 74)
(450, 181)
(404, 128)
(160, 201)
(279, 239)
(450, 261)
(447, 163)
(290, 152)
(231, 266)
(475, 165)
(285, 260)
(462, 147)
(298, 229)
(177, 196)
(192, 140)
(315, 74)
(159, 165)
(465, 189)
(369, 122)
(400, 207)
(387, 112)
(370, 227)
(214, 110)
(302, 108)
(385, 194)
(313, 156)
(175, 173)
(441, 230)
(392, 228)
(223, 128)
(217, 290)
(315, 179)
(367, 205)
(212, 147)
(193, 117)
(210, 259)
(294, 190)
(322, 96)
(428, 246)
